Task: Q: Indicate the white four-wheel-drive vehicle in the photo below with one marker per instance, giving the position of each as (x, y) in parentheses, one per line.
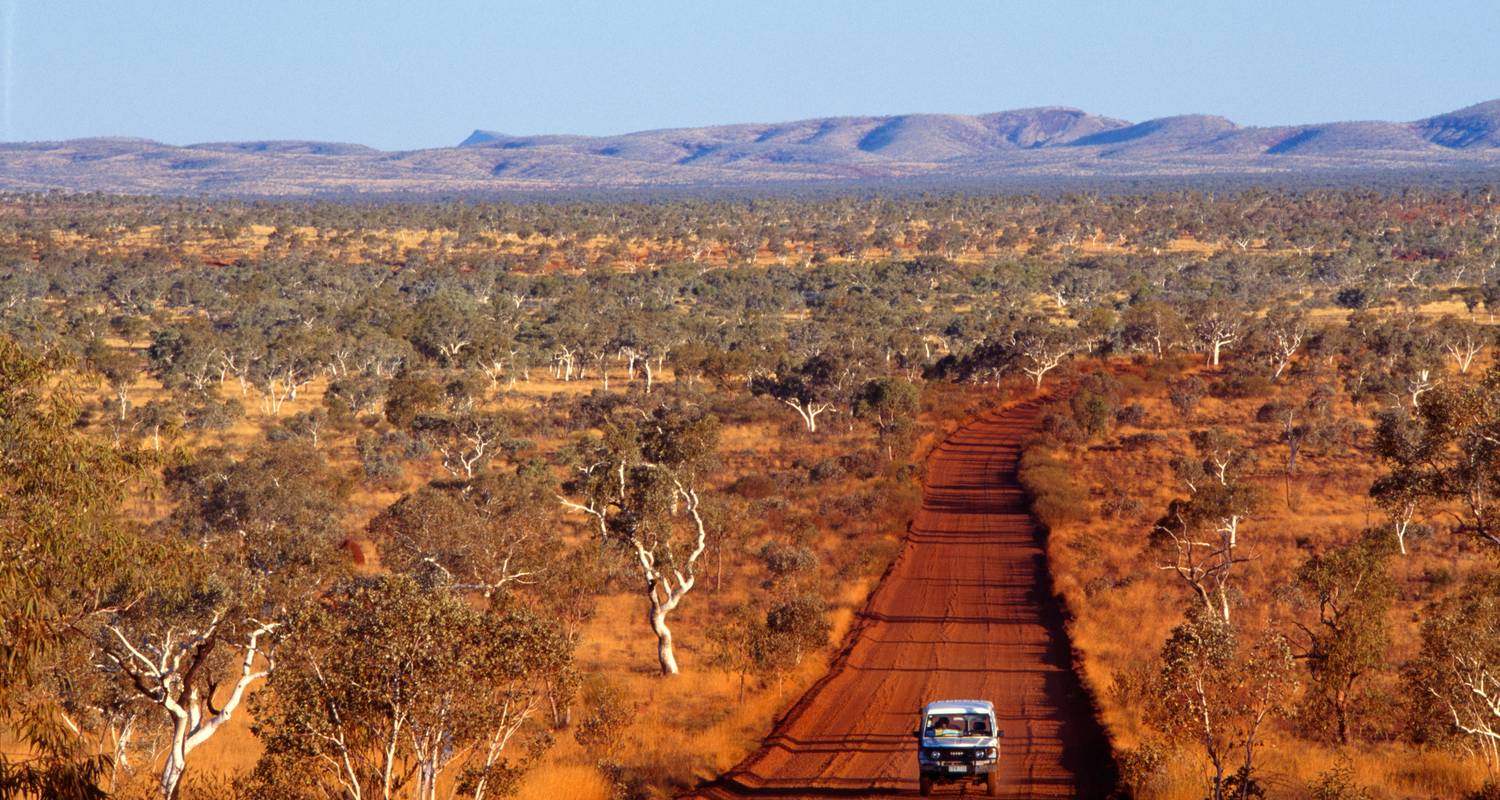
(957, 742)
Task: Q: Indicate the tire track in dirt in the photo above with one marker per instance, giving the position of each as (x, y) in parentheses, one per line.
(965, 611)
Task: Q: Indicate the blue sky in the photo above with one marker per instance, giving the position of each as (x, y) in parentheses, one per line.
(424, 73)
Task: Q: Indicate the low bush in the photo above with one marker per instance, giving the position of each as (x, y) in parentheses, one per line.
(829, 469)
(1133, 414)
(1243, 386)
(1056, 496)
(1093, 412)
(1063, 428)
(1142, 441)
(755, 486)
(787, 563)
(863, 464)
(607, 715)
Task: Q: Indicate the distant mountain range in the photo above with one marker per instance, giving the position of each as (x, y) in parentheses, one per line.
(1035, 144)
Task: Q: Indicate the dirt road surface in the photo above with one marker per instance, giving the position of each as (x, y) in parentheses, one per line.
(966, 611)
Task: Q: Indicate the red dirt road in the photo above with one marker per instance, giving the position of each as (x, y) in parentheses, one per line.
(965, 612)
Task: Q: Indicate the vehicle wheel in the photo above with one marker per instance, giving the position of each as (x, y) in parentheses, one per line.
(992, 784)
(925, 783)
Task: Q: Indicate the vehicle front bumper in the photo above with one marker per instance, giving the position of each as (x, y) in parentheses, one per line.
(948, 769)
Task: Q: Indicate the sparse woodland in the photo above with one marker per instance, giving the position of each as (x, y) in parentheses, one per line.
(482, 500)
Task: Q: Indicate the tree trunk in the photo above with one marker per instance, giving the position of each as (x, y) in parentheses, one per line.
(664, 655)
(1341, 712)
(175, 766)
(121, 760)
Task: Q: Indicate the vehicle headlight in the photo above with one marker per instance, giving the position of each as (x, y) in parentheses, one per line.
(991, 752)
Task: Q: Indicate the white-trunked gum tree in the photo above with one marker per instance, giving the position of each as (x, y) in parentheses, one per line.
(641, 487)
(250, 539)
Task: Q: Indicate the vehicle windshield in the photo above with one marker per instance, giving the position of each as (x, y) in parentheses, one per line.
(942, 726)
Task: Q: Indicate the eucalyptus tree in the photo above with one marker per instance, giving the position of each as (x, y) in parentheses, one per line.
(1394, 357)
(498, 354)
(184, 356)
(811, 388)
(1217, 324)
(446, 325)
(467, 439)
(486, 536)
(390, 688)
(120, 369)
(1463, 340)
(156, 418)
(287, 364)
(1041, 347)
(891, 406)
(641, 488)
(1200, 532)
(1446, 454)
(1454, 672)
(410, 395)
(356, 394)
(102, 716)
(1028, 344)
(249, 539)
(644, 340)
(1217, 688)
(65, 551)
(1281, 335)
(1348, 593)
(377, 352)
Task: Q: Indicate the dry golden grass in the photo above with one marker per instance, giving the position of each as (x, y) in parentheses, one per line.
(689, 728)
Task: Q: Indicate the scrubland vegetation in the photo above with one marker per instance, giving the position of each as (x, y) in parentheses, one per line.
(485, 499)
(1327, 578)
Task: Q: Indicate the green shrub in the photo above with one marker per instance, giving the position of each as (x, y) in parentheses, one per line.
(798, 626)
(1338, 784)
(1185, 394)
(1093, 412)
(787, 563)
(606, 715)
(1143, 768)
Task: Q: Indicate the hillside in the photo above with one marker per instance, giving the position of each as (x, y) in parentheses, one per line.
(1034, 143)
